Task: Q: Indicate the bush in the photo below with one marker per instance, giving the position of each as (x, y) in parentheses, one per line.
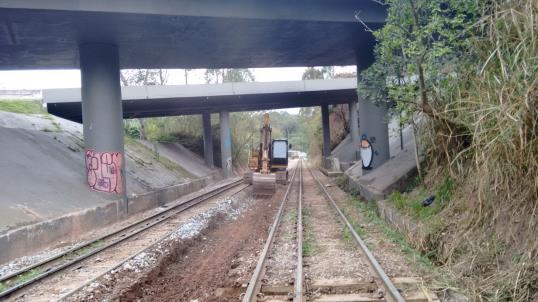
(342, 182)
(132, 131)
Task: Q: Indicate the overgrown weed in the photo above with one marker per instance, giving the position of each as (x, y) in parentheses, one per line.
(309, 246)
(493, 214)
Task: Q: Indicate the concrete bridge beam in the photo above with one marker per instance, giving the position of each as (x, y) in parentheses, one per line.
(225, 143)
(326, 151)
(102, 118)
(208, 139)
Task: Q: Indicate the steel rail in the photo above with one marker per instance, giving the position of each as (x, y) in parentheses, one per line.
(254, 283)
(122, 234)
(118, 265)
(394, 294)
(299, 278)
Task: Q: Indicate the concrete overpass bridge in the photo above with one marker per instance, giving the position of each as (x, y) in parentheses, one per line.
(172, 100)
(101, 37)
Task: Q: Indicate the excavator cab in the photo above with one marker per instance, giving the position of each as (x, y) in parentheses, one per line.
(279, 160)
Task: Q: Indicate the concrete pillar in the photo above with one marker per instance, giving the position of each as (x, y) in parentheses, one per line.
(208, 139)
(326, 151)
(374, 127)
(354, 127)
(102, 118)
(225, 143)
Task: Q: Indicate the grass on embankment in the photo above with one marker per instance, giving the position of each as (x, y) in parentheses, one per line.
(309, 245)
(20, 106)
(410, 202)
(168, 164)
(369, 211)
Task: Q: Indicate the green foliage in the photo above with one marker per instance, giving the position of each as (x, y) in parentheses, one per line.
(309, 245)
(309, 132)
(411, 202)
(369, 210)
(139, 77)
(348, 237)
(313, 73)
(342, 182)
(244, 126)
(472, 67)
(21, 279)
(131, 131)
(417, 51)
(214, 76)
(18, 106)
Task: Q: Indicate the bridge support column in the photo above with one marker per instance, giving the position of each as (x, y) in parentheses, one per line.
(354, 127)
(208, 139)
(225, 143)
(102, 118)
(326, 151)
(374, 127)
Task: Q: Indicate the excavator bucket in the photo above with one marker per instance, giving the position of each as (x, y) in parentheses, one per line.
(264, 184)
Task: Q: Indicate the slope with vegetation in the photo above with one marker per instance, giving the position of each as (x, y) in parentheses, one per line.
(468, 70)
(303, 130)
(41, 155)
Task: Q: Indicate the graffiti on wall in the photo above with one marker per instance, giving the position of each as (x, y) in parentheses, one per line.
(367, 154)
(104, 171)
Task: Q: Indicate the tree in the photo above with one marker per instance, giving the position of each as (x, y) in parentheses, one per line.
(186, 75)
(238, 75)
(214, 76)
(328, 72)
(313, 73)
(415, 49)
(143, 77)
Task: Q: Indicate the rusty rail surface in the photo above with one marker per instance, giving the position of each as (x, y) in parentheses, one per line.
(393, 293)
(299, 277)
(254, 284)
(61, 261)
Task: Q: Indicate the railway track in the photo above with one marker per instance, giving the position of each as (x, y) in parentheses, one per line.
(17, 282)
(373, 284)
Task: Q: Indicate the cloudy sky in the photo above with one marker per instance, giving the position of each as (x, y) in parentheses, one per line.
(45, 79)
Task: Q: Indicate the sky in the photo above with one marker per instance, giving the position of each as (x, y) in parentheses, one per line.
(47, 79)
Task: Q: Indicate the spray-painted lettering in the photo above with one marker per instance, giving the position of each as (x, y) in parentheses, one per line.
(104, 171)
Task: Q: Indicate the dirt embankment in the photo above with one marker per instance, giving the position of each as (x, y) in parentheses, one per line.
(223, 256)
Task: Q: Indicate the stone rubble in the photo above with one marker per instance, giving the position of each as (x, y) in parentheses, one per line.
(231, 206)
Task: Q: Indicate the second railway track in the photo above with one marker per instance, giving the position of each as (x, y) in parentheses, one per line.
(17, 283)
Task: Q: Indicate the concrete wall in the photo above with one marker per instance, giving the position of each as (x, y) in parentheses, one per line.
(345, 152)
(33, 238)
(382, 181)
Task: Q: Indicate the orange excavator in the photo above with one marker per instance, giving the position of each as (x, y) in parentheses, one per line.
(268, 162)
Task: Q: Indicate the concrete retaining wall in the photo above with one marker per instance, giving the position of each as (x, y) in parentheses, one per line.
(382, 181)
(34, 238)
(158, 198)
